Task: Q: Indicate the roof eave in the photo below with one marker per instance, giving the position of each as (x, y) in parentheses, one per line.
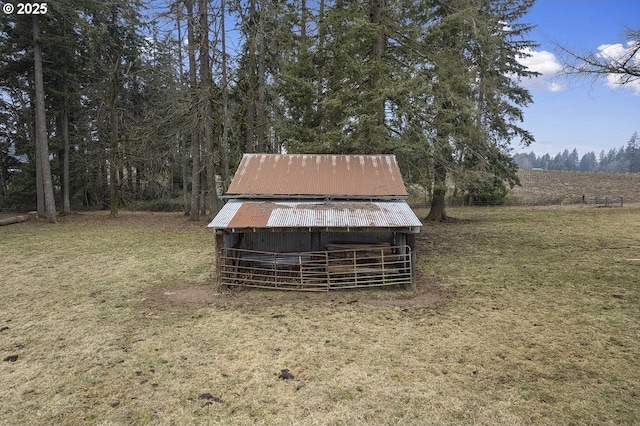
(401, 229)
(258, 197)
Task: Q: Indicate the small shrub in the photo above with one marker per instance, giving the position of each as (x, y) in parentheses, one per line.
(485, 192)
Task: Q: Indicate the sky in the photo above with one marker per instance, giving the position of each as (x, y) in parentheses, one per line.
(579, 112)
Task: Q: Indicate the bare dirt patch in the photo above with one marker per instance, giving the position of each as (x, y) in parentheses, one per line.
(178, 297)
(181, 296)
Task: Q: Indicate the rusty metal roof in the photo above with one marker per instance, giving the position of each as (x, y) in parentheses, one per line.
(240, 214)
(317, 175)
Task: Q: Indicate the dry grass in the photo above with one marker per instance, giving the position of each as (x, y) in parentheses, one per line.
(561, 187)
(521, 316)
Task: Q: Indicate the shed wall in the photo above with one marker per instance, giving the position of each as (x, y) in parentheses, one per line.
(281, 242)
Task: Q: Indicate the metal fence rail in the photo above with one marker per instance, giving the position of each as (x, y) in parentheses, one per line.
(354, 267)
(603, 201)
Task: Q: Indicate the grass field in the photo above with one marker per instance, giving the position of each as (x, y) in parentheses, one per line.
(521, 316)
(563, 187)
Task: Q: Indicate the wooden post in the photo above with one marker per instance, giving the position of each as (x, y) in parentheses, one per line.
(326, 265)
(219, 247)
(411, 242)
(355, 267)
(384, 279)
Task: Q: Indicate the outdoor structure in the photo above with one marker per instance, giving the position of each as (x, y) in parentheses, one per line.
(316, 223)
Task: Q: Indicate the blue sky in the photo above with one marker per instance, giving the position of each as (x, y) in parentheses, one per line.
(578, 112)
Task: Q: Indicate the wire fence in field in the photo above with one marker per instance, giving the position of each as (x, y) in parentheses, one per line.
(555, 188)
(594, 201)
(546, 187)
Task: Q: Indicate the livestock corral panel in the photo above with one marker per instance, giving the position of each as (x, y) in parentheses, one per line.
(341, 266)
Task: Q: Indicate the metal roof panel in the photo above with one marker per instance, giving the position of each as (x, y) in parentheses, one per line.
(321, 175)
(305, 214)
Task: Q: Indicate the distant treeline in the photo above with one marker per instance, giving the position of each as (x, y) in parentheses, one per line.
(622, 160)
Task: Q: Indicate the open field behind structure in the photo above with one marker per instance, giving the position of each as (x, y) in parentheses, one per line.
(563, 187)
(521, 315)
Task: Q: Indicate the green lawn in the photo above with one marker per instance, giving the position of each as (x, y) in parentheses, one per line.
(521, 316)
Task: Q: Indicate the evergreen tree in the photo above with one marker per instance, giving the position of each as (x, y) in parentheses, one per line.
(17, 124)
(435, 82)
(524, 161)
(633, 153)
(588, 162)
(44, 182)
(476, 104)
(572, 160)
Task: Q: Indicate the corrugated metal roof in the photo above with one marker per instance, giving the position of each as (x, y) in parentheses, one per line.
(315, 214)
(344, 176)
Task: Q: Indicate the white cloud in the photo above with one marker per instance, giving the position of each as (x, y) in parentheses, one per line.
(616, 81)
(617, 54)
(556, 87)
(543, 62)
(547, 65)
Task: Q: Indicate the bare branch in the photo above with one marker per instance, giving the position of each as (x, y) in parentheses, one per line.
(623, 63)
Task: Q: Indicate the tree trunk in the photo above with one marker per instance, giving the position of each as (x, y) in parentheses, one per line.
(12, 220)
(377, 53)
(42, 143)
(375, 107)
(250, 98)
(66, 202)
(211, 197)
(182, 144)
(137, 182)
(113, 149)
(261, 109)
(62, 128)
(39, 185)
(2, 178)
(321, 81)
(195, 137)
(195, 176)
(186, 206)
(437, 212)
(226, 122)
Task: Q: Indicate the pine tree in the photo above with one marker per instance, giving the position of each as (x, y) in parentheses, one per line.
(195, 131)
(43, 166)
(476, 95)
(633, 153)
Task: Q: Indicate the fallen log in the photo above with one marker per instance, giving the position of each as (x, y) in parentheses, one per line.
(12, 220)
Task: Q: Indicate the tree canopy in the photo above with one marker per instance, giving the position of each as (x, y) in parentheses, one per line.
(158, 101)
(625, 159)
